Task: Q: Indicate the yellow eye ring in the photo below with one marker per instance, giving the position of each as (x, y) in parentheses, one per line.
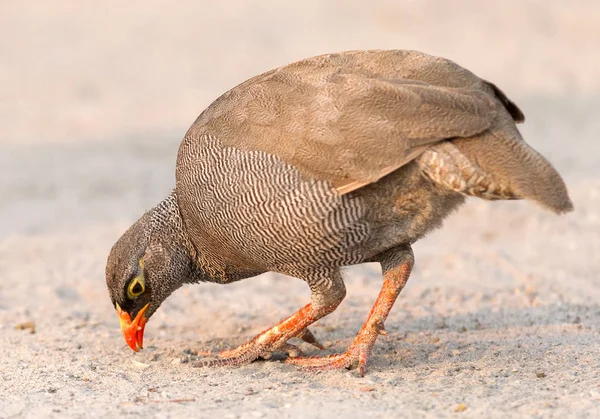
(136, 287)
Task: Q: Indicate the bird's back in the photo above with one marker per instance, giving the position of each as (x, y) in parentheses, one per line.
(331, 160)
(351, 117)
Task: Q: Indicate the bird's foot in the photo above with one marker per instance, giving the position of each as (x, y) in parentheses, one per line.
(356, 356)
(259, 347)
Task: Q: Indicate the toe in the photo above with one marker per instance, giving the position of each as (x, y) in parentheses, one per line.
(291, 350)
(307, 336)
(325, 362)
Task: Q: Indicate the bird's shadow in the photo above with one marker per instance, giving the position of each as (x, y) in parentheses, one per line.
(431, 340)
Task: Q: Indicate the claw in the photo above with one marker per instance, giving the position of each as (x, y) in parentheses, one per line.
(362, 370)
(307, 336)
(380, 328)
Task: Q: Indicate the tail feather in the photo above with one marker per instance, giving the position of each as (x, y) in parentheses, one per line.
(516, 167)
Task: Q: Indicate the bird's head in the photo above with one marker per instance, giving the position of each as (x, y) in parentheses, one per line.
(145, 266)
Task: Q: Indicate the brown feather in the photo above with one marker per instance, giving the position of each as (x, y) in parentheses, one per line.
(517, 168)
(351, 118)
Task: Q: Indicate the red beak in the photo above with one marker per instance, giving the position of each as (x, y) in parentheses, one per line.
(133, 331)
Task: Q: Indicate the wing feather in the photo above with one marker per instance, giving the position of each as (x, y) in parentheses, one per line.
(354, 117)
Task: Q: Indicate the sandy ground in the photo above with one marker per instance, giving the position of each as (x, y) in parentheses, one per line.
(501, 317)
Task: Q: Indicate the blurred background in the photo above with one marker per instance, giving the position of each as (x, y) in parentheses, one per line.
(89, 91)
(96, 96)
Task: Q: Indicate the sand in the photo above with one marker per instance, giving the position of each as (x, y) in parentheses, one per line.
(501, 317)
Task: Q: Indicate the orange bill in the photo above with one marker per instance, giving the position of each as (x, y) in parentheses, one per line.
(133, 331)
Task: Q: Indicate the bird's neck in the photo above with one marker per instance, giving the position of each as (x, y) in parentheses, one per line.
(166, 222)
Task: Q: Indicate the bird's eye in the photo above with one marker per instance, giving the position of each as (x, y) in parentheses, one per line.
(136, 287)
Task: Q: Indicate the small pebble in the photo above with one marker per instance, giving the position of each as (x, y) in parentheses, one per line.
(26, 325)
(461, 408)
(140, 365)
(441, 324)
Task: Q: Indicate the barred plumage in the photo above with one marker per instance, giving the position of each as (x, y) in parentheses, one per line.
(256, 206)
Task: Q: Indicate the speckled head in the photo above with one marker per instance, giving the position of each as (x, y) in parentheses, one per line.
(145, 266)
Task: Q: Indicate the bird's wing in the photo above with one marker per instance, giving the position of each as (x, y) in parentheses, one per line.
(352, 120)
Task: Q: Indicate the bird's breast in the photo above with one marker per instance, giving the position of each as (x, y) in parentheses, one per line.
(251, 210)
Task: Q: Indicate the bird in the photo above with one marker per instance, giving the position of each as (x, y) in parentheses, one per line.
(331, 161)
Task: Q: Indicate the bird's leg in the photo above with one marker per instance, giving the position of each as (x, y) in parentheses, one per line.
(397, 265)
(328, 291)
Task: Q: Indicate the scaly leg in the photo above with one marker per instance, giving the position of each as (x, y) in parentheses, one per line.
(327, 290)
(397, 265)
